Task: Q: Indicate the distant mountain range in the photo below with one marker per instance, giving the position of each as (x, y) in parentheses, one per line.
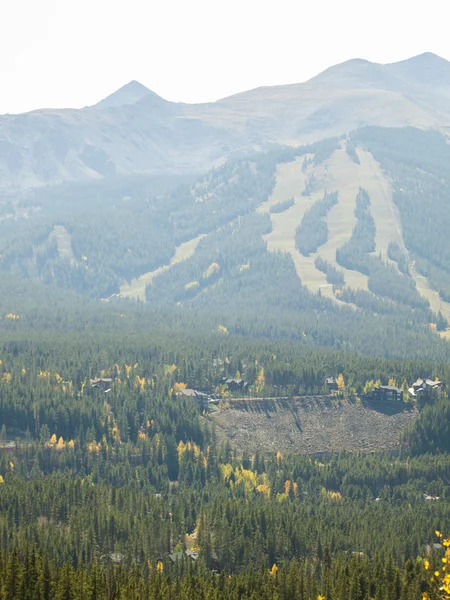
(135, 131)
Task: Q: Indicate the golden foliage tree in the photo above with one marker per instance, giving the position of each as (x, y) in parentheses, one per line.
(440, 577)
(340, 382)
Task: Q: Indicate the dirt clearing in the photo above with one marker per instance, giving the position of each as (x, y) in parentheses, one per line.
(310, 425)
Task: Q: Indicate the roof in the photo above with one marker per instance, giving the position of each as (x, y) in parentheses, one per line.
(102, 382)
(192, 393)
(176, 556)
(389, 388)
(240, 382)
(426, 382)
(188, 392)
(116, 557)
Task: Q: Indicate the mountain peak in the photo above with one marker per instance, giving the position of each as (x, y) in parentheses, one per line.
(425, 58)
(353, 72)
(426, 68)
(130, 93)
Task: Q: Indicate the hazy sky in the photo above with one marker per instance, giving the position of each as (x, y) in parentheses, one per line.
(67, 53)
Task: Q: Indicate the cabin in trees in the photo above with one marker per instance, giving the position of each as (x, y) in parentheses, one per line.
(385, 393)
(8, 446)
(423, 388)
(190, 393)
(236, 385)
(104, 383)
(116, 558)
(178, 556)
(331, 383)
(201, 397)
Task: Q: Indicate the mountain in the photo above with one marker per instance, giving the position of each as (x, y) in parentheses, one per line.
(324, 218)
(128, 94)
(135, 131)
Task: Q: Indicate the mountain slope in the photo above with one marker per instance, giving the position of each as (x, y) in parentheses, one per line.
(339, 243)
(135, 131)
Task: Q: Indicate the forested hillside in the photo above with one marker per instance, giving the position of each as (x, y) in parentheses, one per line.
(421, 186)
(99, 490)
(344, 282)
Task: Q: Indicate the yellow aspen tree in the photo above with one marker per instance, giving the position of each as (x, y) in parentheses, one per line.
(260, 380)
(279, 458)
(179, 386)
(340, 382)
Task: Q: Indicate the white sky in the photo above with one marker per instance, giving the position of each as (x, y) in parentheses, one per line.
(67, 53)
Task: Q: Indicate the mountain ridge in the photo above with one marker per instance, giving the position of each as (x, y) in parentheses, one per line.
(136, 131)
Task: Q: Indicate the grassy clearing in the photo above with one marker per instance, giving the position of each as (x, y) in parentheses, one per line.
(338, 173)
(388, 225)
(63, 241)
(426, 291)
(136, 288)
(382, 207)
(290, 183)
(342, 176)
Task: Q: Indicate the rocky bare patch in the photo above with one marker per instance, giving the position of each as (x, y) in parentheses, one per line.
(310, 425)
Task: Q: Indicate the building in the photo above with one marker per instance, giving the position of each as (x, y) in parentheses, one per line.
(8, 446)
(117, 558)
(236, 385)
(104, 383)
(428, 498)
(425, 387)
(331, 383)
(178, 556)
(385, 393)
(201, 397)
(190, 393)
(191, 554)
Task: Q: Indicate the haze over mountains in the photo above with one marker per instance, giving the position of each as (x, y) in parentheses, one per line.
(135, 131)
